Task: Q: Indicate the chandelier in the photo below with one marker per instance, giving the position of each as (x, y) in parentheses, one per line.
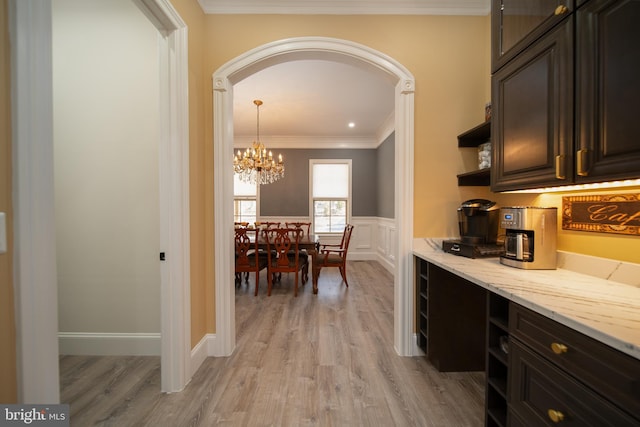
(255, 165)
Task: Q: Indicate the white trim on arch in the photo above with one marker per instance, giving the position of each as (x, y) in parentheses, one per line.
(34, 229)
(336, 50)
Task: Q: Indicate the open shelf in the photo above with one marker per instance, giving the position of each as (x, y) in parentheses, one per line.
(476, 136)
(479, 178)
(473, 138)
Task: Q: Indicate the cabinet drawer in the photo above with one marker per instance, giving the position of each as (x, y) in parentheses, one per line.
(611, 373)
(542, 394)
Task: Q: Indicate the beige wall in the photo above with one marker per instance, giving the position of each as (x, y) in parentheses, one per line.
(8, 392)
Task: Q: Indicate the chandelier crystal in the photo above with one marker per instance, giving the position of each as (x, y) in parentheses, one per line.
(256, 164)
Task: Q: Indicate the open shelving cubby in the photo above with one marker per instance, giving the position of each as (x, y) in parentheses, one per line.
(473, 138)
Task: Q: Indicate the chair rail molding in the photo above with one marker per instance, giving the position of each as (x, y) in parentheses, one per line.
(329, 49)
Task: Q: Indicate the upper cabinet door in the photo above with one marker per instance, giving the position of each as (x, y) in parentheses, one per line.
(532, 115)
(518, 23)
(607, 90)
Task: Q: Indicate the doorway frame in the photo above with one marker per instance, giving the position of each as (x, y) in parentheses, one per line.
(35, 275)
(316, 48)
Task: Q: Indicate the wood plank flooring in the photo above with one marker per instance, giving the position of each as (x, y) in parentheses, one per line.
(314, 360)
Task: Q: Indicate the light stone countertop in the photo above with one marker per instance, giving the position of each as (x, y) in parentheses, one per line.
(605, 310)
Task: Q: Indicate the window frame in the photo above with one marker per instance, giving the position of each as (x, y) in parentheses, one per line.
(348, 199)
(255, 198)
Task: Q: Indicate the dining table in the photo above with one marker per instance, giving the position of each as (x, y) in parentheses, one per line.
(308, 242)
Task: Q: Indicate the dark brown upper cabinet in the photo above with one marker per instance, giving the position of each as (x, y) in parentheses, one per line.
(532, 114)
(565, 105)
(516, 24)
(607, 90)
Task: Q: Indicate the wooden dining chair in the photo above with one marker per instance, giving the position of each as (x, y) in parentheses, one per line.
(304, 226)
(269, 224)
(334, 255)
(304, 255)
(283, 254)
(248, 258)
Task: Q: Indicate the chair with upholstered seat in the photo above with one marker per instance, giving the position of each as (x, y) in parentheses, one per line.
(283, 254)
(334, 255)
(248, 258)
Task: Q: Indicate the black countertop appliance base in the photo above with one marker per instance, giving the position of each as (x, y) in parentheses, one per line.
(472, 250)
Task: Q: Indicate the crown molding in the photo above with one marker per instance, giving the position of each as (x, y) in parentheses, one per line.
(347, 7)
(386, 128)
(241, 142)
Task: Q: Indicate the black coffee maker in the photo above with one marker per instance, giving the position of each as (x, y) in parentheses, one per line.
(478, 221)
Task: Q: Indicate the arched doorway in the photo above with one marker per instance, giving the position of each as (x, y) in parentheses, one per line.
(333, 50)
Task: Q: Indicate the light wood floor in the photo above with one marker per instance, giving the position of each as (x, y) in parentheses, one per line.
(315, 360)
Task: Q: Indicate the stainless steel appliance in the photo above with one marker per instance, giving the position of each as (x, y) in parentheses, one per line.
(478, 222)
(530, 237)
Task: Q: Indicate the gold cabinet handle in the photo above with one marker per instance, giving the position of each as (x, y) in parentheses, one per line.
(558, 348)
(555, 416)
(560, 167)
(561, 10)
(581, 156)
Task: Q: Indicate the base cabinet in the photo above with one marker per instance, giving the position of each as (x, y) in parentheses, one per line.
(450, 319)
(558, 375)
(538, 371)
(543, 394)
(497, 360)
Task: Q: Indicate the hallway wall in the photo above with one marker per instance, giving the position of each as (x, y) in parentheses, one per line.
(106, 131)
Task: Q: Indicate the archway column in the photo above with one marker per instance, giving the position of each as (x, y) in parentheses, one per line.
(403, 301)
(225, 341)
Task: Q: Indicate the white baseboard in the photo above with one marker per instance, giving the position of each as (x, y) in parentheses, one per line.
(416, 351)
(200, 352)
(109, 344)
(386, 263)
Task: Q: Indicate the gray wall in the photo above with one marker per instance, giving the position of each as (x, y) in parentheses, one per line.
(386, 177)
(290, 195)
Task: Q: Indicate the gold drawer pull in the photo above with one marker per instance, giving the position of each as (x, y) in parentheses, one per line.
(558, 348)
(561, 10)
(582, 161)
(560, 167)
(555, 416)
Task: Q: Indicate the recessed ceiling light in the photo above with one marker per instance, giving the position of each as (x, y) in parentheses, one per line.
(352, 125)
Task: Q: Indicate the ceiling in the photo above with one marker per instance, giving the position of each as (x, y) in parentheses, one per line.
(309, 103)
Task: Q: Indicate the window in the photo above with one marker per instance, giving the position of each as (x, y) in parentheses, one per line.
(330, 194)
(245, 204)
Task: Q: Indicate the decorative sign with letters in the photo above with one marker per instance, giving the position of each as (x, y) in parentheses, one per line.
(612, 213)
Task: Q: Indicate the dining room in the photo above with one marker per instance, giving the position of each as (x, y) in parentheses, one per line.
(329, 127)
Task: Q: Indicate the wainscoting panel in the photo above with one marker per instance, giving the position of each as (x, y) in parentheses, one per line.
(373, 238)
